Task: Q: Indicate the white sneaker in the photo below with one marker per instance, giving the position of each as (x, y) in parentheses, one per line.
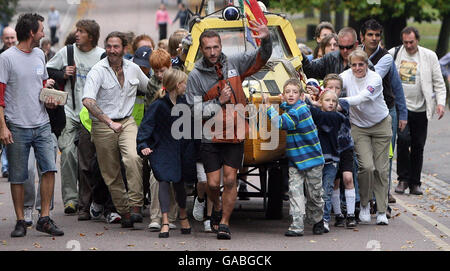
(113, 218)
(28, 216)
(154, 226)
(172, 226)
(326, 227)
(364, 214)
(199, 209)
(96, 211)
(207, 225)
(382, 219)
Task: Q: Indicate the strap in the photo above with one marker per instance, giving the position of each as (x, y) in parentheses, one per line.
(71, 62)
(396, 51)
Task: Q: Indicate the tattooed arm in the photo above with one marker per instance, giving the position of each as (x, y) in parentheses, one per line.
(95, 110)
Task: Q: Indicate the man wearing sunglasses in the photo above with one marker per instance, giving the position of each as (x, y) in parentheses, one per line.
(334, 62)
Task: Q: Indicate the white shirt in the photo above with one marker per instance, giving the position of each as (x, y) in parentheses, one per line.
(409, 71)
(365, 96)
(84, 61)
(103, 86)
(53, 18)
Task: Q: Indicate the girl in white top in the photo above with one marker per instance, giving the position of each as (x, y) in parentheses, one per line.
(371, 132)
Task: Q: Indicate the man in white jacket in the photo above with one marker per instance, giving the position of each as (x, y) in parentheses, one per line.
(425, 93)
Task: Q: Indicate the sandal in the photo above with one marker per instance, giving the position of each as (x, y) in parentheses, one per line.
(185, 230)
(164, 234)
(216, 217)
(224, 232)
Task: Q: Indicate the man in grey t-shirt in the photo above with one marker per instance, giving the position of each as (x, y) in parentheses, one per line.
(24, 122)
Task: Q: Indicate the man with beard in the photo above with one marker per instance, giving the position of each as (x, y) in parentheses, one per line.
(24, 122)
(109, 95)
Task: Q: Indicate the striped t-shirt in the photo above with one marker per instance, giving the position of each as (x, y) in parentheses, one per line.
(302, 141)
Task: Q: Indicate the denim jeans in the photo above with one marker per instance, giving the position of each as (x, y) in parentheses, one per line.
(40, 138)
(31, 198)
(328, 176)
(4, 160)
(393, 113)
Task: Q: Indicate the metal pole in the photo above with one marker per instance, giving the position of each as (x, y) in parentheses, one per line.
(211, 6)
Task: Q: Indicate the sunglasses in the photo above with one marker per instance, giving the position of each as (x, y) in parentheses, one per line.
(342, 47)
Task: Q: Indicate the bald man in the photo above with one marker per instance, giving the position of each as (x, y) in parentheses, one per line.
(9, 38)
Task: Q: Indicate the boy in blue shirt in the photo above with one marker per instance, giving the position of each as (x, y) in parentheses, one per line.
(305, 158)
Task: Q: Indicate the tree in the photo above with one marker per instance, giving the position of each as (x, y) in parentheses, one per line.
(7, 10)
(391, 13)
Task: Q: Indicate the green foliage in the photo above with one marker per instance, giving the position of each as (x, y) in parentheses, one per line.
(7, 10)
(420, 10)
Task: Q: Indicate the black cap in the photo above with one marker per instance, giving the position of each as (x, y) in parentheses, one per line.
(142, 55)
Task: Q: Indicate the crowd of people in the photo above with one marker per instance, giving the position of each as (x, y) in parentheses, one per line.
(119, 154)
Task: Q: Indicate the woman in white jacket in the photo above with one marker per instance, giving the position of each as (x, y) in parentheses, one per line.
(371, 132)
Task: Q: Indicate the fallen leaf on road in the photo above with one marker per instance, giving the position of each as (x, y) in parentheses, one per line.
(131, 245)
(37, 245)
(223, 248)
(99, 234)
(93, 248)
(312, 241)
(395, 209)
(334, 239)
(182, 243)
(414, 214)
(410, 242)
(155, 243)
(53, 238)
(404, 247)
(106, 228)
(433, 208)
(4, 242)
(355, 230)
(434, 175)
(82, 234)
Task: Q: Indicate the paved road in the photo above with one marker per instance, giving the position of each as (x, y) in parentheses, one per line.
(418, 223)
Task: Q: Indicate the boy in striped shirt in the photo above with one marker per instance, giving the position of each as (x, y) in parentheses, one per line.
(305, 158)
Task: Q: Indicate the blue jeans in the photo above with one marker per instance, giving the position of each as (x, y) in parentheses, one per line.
(40, 138)
(31, 198)
(328, 176)
(4, 160)
(393, 113)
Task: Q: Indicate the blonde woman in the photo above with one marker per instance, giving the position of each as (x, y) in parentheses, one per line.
(166, 154)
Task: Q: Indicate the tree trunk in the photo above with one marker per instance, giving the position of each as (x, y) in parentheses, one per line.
(325, 15)
(355, 24)
(392, 29)
(444, 35)
(339, 17)
(309, 13)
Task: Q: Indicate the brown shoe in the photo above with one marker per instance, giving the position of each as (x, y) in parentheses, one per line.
(126, 221)
(83, 216)
(136, 214)
(415, 190)
(401, 187)
(391, 198)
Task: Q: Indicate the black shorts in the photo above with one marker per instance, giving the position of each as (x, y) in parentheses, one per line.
(215, 155)
(346, 161)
